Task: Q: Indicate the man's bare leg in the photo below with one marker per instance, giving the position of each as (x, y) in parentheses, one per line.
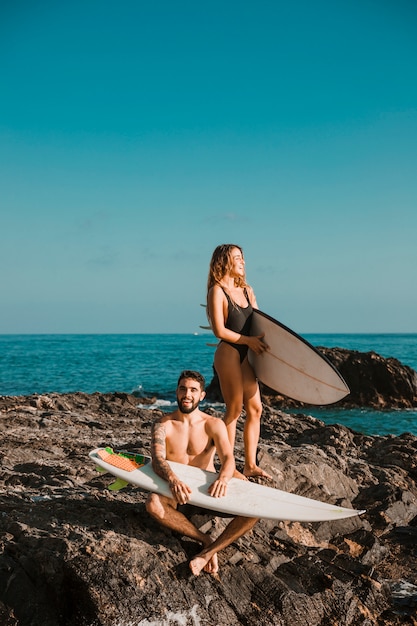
(237, 527)
(164, 510)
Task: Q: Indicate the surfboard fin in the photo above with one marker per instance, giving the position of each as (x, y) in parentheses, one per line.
(118, 484)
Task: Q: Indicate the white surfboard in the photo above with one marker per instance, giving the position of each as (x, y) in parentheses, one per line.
(243, 497)
(292, 366)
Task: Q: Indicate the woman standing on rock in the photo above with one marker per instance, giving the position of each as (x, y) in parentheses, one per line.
(230, 302)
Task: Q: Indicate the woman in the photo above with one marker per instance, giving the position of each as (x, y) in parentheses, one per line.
(230, 301)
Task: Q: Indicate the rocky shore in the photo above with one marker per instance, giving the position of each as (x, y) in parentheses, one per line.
(74, 553)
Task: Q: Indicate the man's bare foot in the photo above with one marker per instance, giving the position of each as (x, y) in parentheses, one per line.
(212, 566)
(256, 472)
(206, 563)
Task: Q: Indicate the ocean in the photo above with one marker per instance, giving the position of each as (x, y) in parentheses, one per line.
(149, 365)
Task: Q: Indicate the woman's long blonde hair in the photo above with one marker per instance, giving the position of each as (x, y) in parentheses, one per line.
(221, 262)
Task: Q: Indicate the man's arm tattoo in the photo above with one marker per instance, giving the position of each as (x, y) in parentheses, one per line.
(158, 446)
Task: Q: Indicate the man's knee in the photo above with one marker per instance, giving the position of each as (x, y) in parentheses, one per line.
(154, 506)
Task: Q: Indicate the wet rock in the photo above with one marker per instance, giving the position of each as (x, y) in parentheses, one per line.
(73, 553)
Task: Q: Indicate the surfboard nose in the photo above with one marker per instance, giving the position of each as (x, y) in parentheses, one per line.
(292, 366)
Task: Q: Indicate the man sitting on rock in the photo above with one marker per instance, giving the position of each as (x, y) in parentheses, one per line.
(192, 437)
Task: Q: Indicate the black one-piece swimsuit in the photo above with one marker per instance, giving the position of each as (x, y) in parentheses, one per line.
(239, 320)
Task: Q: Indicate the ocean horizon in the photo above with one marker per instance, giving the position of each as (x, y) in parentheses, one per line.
(148, 365)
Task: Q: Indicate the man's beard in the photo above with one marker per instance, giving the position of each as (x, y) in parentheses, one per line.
(189, 408)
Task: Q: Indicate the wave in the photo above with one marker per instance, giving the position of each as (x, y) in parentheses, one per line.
(167, 406)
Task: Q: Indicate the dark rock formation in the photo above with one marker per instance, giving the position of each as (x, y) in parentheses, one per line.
(75, 554)
(373, 381)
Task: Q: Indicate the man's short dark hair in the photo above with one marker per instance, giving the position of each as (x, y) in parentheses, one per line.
(194, 376)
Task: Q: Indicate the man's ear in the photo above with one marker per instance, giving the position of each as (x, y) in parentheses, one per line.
(202, 396)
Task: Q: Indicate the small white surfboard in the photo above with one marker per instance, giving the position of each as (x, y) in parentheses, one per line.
(292, 366)
(243, 497)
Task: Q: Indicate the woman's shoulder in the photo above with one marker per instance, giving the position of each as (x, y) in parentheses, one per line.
(251, 293)
(216, 290)
(249, 290)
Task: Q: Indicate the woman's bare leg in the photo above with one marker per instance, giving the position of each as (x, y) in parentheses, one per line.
(252, 428)
(229, 371)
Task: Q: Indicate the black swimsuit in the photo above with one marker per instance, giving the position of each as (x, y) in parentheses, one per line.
(239, 320)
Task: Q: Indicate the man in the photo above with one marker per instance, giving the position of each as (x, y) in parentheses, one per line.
(192, 437)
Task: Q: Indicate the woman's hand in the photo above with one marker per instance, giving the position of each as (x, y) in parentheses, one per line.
(257, 344)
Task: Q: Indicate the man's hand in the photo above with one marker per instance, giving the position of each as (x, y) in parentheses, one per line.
(180, 491)
(219, 488)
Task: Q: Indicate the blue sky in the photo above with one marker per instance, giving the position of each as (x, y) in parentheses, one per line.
(136, 136)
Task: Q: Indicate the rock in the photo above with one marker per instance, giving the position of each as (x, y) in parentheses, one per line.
(74, 553)
(374, 382)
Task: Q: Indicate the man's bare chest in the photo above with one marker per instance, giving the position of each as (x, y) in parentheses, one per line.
(188, 441)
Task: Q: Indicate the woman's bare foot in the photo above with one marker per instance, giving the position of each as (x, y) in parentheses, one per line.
(256, 472)
(237, 474)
